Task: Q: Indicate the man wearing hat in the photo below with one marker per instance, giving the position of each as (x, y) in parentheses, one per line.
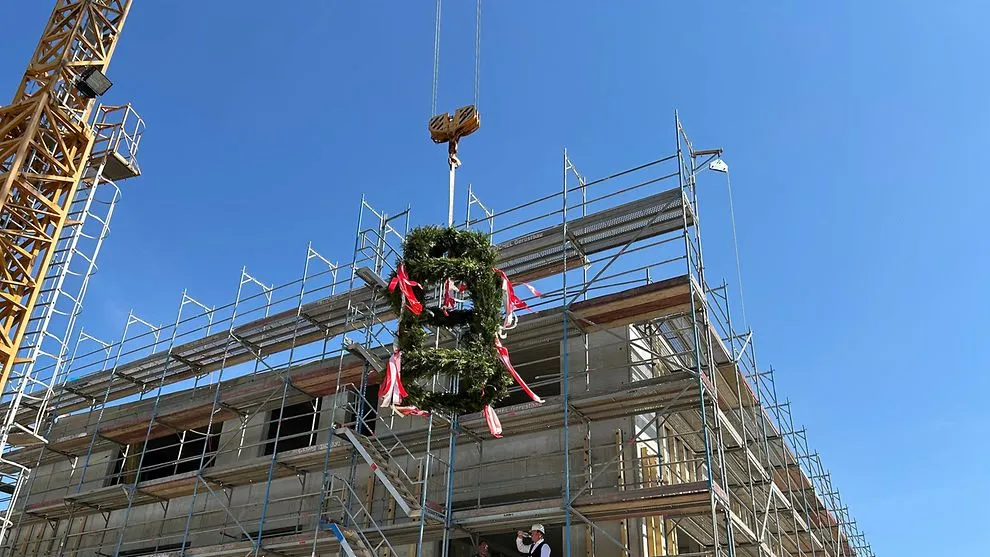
(539, 547)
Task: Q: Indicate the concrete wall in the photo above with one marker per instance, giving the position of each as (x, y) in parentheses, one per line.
(62, 478)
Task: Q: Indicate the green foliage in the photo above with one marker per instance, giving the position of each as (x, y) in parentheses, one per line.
(431, 255)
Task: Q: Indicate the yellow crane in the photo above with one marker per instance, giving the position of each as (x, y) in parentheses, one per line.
(46, 143)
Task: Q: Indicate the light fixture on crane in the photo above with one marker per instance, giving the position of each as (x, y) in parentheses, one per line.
(93, 83)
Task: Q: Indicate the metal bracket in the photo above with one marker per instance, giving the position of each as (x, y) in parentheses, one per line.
(186, 361)
(254, 348)
(371, 278)
(362, 352)
(312, 320)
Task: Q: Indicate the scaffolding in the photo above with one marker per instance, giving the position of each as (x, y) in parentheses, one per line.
(253, 428)
(42, 357)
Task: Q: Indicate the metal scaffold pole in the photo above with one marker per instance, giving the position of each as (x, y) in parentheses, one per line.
(99, 405)
(706, 371)
(131, 486)
(201, 481)
(565, 366)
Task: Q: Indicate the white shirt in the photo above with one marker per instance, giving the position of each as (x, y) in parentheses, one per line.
(528, 548)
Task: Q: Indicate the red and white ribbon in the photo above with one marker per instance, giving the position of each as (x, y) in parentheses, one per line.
(494, 426)
(391, 389)
(450, 292)
(393, 392)
(405, 285)
(503, 354)
(511, 301)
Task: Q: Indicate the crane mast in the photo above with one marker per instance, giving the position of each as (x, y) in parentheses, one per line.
(45, 144)
(46, 172)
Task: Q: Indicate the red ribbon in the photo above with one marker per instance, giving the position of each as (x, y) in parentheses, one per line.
(405, 284)
(410, 411)
(503, 354)
(512, 301)
(391, 389)
(494, 426)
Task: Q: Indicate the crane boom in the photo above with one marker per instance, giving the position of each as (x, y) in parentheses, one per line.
(45, 143)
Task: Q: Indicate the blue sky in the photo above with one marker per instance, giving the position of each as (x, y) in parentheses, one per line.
(853, 133)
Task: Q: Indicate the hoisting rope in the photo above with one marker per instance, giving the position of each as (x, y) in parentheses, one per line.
(436, 55)
(735, 244)
(477, 53)
(436, 58)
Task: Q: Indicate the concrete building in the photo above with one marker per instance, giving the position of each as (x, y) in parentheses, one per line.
(253, 429)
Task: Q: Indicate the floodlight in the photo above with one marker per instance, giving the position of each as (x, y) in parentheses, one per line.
(93, 83)
(718, 165)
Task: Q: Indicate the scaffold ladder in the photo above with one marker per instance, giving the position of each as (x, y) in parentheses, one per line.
(385, 471)
(346, 536)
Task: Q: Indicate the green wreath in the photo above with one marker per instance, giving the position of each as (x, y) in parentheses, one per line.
(431, 256)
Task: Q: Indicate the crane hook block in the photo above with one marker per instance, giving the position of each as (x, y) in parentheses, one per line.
(445, 128)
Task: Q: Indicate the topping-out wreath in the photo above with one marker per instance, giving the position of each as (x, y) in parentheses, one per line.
(476, 300)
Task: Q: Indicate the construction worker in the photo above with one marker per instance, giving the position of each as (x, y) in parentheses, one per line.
(482, 549)
(539, 547)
